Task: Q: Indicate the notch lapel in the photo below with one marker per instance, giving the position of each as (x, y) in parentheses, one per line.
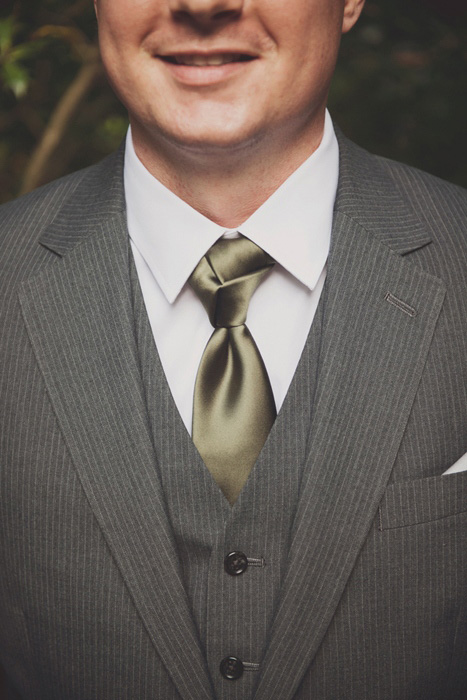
(373, 353)
(80, 321)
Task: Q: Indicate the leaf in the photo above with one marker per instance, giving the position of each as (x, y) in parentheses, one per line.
(16, 78)
(24, 51)
(8, 29)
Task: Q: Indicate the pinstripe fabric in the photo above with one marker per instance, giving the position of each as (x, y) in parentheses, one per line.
(95, 591)
(233, 614)
(398, 644)
(67, 572)
(397, 631)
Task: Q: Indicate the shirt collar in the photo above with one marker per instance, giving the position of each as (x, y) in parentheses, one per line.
(293, 225)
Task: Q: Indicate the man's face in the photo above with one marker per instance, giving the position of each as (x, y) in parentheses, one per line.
(222, 73)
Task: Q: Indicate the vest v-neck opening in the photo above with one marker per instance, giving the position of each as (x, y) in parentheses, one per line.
(206, 528)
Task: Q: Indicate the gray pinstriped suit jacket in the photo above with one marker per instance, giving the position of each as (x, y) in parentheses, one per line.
(92, 604)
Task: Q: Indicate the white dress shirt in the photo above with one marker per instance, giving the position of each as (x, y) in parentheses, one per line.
(169, 237)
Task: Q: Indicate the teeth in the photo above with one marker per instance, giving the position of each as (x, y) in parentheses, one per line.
(213, 60)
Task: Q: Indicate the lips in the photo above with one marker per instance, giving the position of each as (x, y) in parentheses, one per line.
(205, 69)
(212, 59)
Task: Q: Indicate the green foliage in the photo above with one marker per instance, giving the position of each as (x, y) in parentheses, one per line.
(43, 46)
(399, 87)
(14, 74)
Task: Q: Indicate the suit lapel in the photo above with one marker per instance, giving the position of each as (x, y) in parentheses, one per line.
(379, 317)
(80, 322)
(79, 318)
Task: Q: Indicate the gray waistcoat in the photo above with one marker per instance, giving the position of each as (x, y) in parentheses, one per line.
(233, 613)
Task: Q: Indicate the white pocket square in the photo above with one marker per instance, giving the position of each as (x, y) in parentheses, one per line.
(459, 466)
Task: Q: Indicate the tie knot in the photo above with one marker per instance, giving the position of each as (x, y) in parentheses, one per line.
(226, 278)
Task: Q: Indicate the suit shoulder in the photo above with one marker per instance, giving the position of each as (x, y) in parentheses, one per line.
(36, 209)
(406, 209)
(63, 204)
(440, 205)
(431, 189)
(381, 175)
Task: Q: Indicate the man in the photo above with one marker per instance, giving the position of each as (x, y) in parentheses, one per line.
(335, 566)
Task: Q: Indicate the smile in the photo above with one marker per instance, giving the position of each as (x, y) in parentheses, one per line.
(198, 60)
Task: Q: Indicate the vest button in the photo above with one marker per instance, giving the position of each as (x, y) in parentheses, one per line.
(235, 563)
(231, 668)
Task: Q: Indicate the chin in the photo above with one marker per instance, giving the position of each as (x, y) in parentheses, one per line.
(211, 125)
(207, 141)
(213, 134)
(210, 142)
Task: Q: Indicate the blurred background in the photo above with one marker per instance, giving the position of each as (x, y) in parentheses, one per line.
(399, 90)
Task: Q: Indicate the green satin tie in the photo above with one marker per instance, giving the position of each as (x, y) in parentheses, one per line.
(233, 409)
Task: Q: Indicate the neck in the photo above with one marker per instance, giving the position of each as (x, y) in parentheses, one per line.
(226, 186)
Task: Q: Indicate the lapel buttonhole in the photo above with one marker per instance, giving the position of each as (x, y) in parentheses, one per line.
(406, 308)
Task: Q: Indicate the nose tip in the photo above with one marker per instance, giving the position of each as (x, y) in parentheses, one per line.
(205, 11)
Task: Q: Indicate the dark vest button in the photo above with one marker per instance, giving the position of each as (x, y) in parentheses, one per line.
(231, 668)
(235, 563)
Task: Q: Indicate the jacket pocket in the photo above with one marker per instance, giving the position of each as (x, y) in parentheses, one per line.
(423, 500)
